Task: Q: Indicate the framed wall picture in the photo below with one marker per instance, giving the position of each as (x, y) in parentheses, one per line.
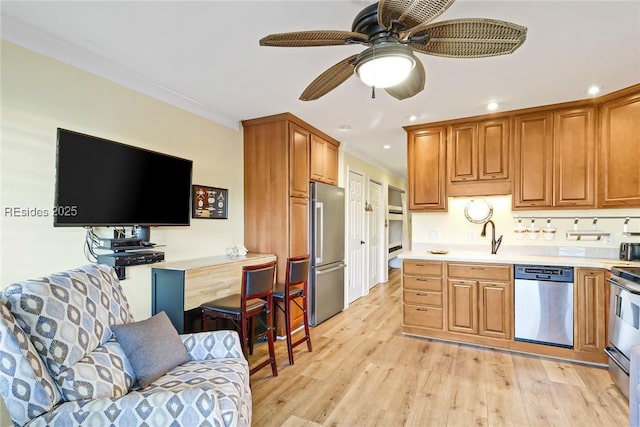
(209, 202)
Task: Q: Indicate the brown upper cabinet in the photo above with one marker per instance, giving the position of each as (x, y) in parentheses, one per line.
(478, 158)
(620, 150)
(533, 160)
(324, 160)
(574, 158)
(426, 154)
(278, 153)
(581, 154)
(555, 159)
(298, 161)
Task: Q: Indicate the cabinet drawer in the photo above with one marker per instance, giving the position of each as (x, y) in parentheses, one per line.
(420, 268)
(428, 317)
(479, 271)
(426, 298)
(422, 283)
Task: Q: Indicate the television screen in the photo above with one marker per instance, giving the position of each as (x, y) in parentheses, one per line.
(103, 183)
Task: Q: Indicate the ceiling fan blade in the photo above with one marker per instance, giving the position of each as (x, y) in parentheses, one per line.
(411, 12)
(413, 85)
(470, 38)
(329, 80)
(313, 38)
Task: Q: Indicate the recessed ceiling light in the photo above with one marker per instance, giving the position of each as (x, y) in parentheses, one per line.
(386, 147)
(594, 90)
(412, 118)
(345, 127)
(492, 106)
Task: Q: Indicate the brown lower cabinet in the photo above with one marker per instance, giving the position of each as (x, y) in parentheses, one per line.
(473, 303)
(480, 299)
(590, 310)
(422, 294)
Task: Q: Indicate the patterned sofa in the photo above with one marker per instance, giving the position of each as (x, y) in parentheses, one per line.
(60, 364)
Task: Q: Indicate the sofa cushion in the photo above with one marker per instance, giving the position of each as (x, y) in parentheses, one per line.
(105, 372)
(67, 315)
(214, 392)
(152, 346)
(25, 384)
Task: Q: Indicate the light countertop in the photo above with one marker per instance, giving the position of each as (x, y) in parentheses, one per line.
(212, 261)
(507, 258)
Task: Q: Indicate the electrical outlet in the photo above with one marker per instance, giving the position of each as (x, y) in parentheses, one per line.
(434, 235)
(471, 236)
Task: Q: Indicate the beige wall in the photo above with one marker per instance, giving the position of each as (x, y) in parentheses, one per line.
(353, 163)
(39, 95)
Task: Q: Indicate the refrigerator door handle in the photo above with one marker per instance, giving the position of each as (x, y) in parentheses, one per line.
(321, 272)
(319, 232)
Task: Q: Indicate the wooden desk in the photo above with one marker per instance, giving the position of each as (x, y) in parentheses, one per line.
(178, 288)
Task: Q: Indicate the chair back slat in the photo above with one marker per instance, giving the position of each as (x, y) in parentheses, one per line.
(258, 280)
(298, 270)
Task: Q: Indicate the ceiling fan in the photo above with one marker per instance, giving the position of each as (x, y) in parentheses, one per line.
(393, 30)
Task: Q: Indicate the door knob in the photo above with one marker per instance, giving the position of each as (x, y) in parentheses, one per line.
(362, 242)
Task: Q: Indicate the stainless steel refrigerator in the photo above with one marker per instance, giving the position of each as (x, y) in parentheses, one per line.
(327, 251)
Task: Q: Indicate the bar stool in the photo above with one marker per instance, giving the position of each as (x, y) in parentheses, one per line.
(295, 286)
(255, 298)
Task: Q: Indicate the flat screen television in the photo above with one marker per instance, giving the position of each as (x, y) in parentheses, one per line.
(106, 183)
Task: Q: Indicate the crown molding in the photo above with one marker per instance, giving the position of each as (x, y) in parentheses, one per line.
(29, 37)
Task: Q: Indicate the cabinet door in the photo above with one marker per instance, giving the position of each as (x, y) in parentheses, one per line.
(298, 161)
(493, 149)
(463, 152)
(463, 306)
(298, 226)
(331, 164)
(591, 305)
(533, 161)
(574, 157)
(317, 158)
(620, 152)
(495, 309)
(426, 154)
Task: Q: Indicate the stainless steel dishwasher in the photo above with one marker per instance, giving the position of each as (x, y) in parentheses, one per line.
(544, 305)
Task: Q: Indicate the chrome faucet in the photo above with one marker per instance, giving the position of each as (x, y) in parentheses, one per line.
(495, 244)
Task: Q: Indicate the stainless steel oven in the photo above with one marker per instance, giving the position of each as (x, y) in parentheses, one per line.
(624, 323)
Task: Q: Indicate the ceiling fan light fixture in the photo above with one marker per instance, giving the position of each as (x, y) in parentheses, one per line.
(385, 65)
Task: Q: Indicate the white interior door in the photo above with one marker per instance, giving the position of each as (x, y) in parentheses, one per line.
(374, 238)
(355, 225)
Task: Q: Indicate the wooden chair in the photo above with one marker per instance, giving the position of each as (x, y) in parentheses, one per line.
(295, 286)
(255, 298)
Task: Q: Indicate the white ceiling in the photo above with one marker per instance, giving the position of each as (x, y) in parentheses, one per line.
(204, 57)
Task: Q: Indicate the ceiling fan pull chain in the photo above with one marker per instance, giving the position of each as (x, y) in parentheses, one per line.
(373, 92)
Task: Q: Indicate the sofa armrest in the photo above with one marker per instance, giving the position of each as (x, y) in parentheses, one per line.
(213, 345)
(634, 387)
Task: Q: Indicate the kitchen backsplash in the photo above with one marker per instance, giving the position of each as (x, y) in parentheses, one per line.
(452, 231)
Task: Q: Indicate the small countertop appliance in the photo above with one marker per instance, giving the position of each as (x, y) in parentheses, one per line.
(630, 251)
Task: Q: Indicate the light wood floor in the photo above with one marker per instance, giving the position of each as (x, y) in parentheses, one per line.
(364, 372)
